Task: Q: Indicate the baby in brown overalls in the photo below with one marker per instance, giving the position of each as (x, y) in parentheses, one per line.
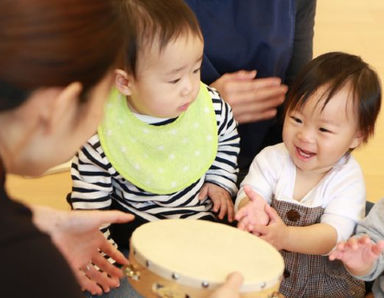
(307, 193)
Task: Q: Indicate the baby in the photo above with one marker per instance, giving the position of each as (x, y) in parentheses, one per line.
(307, 193)
(168, 145)
(362, 254)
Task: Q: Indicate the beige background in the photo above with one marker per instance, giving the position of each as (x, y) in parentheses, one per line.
(354, 26)
(357, 27)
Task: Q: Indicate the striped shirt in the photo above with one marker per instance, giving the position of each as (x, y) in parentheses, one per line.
(96, 184)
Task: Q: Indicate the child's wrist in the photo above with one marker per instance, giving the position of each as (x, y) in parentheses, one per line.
(362, 271)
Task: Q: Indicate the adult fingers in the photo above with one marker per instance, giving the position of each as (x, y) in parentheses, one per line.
(244, 86)
(106, 266)
(241, 75)
(86, 284)
(234, 280)
(110, 216)
(257, 103)
(221, 84)
(110, 250)
(101, 278)
(259, 96)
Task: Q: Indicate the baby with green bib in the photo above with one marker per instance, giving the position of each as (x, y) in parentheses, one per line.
(168, 144)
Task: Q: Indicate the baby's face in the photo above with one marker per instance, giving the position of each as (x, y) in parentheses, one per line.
(317, 136)
(168, 81)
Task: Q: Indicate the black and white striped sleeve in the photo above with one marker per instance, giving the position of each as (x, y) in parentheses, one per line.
(224, 169)
(91, 179)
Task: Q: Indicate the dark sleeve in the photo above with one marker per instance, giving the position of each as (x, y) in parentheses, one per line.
(303, 42)
(31, 266)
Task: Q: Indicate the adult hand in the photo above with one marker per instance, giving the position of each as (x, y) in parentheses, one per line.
(231, 287)
(251, 99)
(253, 212)
(221, 199)
(77, 236)
(357, 254)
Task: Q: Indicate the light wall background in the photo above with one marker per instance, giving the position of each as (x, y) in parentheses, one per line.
(357, 27)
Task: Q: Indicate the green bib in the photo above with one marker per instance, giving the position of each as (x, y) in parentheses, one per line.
(160, 159)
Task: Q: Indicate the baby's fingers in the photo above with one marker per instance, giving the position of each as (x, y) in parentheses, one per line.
(352, 243)
(378, 248)
(335, 255)
(203, 193)
(216, 204)
(240, 214)
(231, 210)
(364, 240)
(244, 224)
(223, 208)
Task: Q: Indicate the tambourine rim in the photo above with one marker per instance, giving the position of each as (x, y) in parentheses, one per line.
(194, 282)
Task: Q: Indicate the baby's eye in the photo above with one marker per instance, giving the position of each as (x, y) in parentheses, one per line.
(174, 81)
(196, 70)
(322, 129)
(298, 120)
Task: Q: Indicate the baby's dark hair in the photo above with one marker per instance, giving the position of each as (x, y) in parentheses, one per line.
(333, 71)
(150, 21)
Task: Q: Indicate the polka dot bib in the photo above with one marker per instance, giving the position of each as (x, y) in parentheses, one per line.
(160, 159)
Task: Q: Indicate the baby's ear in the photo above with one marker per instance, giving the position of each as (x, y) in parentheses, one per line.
(122, 82)
(357, 140)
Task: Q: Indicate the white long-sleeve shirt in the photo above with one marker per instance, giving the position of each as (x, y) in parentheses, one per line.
(341, 192)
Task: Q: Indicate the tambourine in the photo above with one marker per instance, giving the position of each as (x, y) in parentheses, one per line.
(191, 258)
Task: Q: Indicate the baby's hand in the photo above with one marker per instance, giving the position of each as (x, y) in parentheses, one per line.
(221, 200)
(357, 254)
(253, 213)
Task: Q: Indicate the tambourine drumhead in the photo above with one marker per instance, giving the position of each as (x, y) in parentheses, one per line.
(200, 254)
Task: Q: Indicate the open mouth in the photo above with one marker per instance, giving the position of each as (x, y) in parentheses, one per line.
(304, 154)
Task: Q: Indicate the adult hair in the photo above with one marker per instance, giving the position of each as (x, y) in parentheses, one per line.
(51, 43)
(150, 21)
(333, 71)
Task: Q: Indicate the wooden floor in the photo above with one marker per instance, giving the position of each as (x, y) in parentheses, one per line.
(354, 26)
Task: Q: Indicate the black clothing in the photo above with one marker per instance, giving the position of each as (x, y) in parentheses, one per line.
(30, 264)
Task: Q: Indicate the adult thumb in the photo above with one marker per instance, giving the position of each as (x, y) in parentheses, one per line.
(234, 280)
